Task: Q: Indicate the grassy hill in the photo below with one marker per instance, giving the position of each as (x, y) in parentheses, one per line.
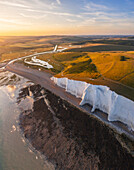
(98, 61)
(113, 69)
(116, 66)
(71, 64)
(99, 48)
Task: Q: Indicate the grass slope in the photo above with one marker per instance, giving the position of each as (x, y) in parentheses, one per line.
(111, 65)
(113, 69)
(102, 48)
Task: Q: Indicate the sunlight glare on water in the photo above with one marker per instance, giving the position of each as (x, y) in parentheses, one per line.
(15, 153)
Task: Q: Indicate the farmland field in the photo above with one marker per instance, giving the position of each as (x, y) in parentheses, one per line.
(103, 48)
(105, 61)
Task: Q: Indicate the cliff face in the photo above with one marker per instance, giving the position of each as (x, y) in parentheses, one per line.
(100, 97)
(68, 137)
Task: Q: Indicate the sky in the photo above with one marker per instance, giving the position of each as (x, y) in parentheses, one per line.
(66, 17)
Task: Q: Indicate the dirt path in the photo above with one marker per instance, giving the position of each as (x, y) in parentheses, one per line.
(116, 82)
(126, 76)
(42, 78)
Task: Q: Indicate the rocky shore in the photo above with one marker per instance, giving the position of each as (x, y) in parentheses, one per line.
(68, 137)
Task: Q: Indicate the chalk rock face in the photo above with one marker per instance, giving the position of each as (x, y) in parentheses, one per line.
(62, 82)
(76, 87)
(100, 97)
(38, 62)
(123, 110)
(41, 62)
(89, 96)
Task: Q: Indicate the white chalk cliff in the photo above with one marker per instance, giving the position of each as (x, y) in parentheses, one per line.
(100, 97)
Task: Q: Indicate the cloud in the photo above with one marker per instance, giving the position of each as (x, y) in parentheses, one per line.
(88, 22)
(34, 17)
(30, 4)
(14, 22)
(95, 7)
(97, 13)
(101, 13)
(102, 17)
(71, 20)
(31, 10)
(54, 13)
(59, 2)
(42, 4)
(13, 4)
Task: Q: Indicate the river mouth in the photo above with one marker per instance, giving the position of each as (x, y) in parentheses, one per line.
(68, 137)
(15, 151)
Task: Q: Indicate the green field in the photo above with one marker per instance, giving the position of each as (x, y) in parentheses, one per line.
(113, 69)
(71, 64)
(100, 48)
(98, 61)
(115, 66)
(128, 41)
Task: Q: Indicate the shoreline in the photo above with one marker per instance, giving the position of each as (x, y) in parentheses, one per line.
(43, 78)
(13, 146)
(68, 137)
(32, 149)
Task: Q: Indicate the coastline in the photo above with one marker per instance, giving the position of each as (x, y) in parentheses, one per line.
(68, 137)
(117, 129)
(56, 131)
(15, 152)
(43, 78)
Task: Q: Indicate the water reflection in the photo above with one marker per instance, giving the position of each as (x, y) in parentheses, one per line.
(15, 152)
(69, 137)
(11, 88)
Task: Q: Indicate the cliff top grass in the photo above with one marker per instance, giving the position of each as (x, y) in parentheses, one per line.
(113, 69)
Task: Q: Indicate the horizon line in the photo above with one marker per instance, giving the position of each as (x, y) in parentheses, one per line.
(67, 35)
